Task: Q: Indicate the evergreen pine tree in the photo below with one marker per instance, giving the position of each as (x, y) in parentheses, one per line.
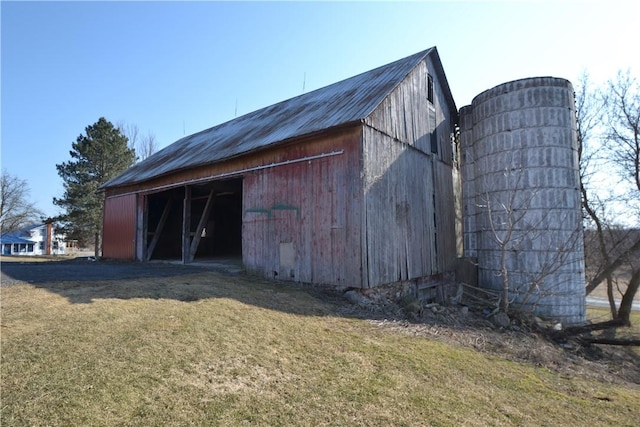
(97, 156)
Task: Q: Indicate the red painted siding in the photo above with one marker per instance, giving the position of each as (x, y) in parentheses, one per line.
(119, 233)
(302, 221)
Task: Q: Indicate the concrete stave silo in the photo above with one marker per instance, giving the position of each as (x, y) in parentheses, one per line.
(521, 195)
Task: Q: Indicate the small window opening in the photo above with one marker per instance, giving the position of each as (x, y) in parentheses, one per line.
(434, 131)
(429, 88)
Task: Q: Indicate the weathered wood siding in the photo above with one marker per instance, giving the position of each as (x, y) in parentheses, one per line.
(409, 216)
(404, 115)
(302, 221)
(119, 230)
(398, 216)
(445, 213)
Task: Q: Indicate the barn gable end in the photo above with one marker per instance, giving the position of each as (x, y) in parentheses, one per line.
(408, 184)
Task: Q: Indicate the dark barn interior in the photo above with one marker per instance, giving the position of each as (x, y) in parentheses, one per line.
(221, 230)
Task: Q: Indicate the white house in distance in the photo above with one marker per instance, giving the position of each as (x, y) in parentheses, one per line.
(38, 239)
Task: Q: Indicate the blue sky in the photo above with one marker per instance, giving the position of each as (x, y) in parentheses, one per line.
(175, 68)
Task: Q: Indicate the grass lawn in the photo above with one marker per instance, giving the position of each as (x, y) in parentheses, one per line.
(212, 349)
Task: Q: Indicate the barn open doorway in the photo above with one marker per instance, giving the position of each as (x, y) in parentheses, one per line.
(213, 221)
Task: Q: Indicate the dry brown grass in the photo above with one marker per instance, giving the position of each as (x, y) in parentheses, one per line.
(213, 349)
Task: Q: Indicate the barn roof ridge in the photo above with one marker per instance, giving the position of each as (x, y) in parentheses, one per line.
(346, 101)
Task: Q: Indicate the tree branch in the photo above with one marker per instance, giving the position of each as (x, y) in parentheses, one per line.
(612, 267)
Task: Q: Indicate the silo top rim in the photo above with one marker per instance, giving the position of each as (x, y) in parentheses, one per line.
(520, 84)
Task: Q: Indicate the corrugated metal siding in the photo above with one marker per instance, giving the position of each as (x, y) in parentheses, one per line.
(302, 221)
(348, 101)
(119, 232)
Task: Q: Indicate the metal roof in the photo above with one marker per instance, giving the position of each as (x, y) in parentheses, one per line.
(341, 103)
(15, 237)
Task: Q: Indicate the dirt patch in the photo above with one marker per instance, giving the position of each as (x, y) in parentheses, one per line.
(606, 363)
(525, 339)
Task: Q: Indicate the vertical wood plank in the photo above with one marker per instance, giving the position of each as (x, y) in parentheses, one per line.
(303, 207)
(119, 233)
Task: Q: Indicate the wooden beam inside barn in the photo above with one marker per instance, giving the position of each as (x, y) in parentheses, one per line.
(203, 221)
(186, 224)
(159, 228)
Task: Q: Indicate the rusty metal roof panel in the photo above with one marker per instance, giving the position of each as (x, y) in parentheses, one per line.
(347, 101)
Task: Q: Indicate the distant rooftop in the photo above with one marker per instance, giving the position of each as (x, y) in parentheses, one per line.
(14, 237)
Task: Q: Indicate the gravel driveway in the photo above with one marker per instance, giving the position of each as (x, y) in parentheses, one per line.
(82, 269)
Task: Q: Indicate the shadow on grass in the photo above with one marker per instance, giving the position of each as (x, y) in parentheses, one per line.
(82, 281)
(82, 270)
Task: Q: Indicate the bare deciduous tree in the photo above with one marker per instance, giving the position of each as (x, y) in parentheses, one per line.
(144, 145)
(16, 210)
(147, 146)
(516, 227)
(609, 135)
(131, 131)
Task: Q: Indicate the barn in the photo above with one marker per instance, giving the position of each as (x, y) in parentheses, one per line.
(348, 185)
